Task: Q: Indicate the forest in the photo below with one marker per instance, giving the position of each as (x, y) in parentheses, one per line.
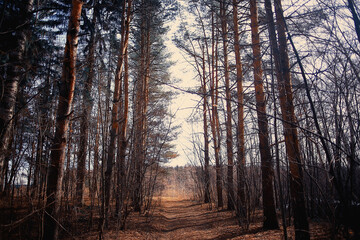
(88, 128)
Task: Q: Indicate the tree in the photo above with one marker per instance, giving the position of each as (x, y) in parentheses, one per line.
(215, 123)
(214, 116)
(66, 94)
(13, 48)
(141, 102)
(151, 121)
(229, 138)
(86, 113)
(270, 218)
(115, 109)
(355, 16)
(206, 137)
(240, 107)
(281, 59)
(123, 117)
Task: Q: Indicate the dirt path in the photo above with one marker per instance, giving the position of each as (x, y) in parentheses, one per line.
(188, 220)
(176, 219)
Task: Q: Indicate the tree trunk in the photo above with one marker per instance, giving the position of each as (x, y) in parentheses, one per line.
(142, 96)
(67, 86)
(9, 88)
(270, 218)
(229, 140)
(86, 115)
(114, 119)
(355, 17)
(206, 136)
(124, 116)
(289, 120)
(240, 131)
(214, 116)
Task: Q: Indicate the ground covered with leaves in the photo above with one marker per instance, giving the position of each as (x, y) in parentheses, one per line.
(184, 219)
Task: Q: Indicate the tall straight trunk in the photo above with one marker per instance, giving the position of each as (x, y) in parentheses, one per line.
(228, 124)
(206, 136)
(9, 87)
(240, 107)
(289, 120)
(142, 98)
(277, 157)
(214, 116)
(68, 173)
(93, 185)
(124, 117)
(86, 114)
(66, 94)
(270, 218)
(122, 144)
(43, 130)
(114, 117)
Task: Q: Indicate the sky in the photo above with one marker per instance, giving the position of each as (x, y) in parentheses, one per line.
(184, 104)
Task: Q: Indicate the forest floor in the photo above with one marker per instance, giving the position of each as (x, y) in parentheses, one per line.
(184, 219)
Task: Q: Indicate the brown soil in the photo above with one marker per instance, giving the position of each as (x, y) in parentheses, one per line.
(184, 219)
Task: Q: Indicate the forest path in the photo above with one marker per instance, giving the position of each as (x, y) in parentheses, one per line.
(184, 219)
(176, 219)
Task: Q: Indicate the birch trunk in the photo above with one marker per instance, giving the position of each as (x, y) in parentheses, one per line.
(9, 88)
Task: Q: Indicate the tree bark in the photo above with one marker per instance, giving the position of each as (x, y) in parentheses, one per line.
(214, 116)
(142, 97)
(66, 94)
(124, 116)
(355, 18)
(270, 218)
(206, 135)
(240, 107)
(114, 115)
(229, 138)
(289, 120)
(86, 115)
(10, 86)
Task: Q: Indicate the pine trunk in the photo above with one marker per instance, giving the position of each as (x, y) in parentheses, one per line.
(228, 124)
(123, 118)
(206, 136)
(114, 118)
(142, 97)
(289, 120)
(240, 107)
(85, 116)
(57, 156)
(270, 218)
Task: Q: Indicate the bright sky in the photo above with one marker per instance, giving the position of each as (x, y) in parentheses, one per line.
(185, 103)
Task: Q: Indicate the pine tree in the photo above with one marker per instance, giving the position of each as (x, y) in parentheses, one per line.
(57, 157)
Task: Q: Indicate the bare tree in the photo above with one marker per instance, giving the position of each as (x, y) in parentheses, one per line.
(10, 86)
(67, 86)
(280, 54)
